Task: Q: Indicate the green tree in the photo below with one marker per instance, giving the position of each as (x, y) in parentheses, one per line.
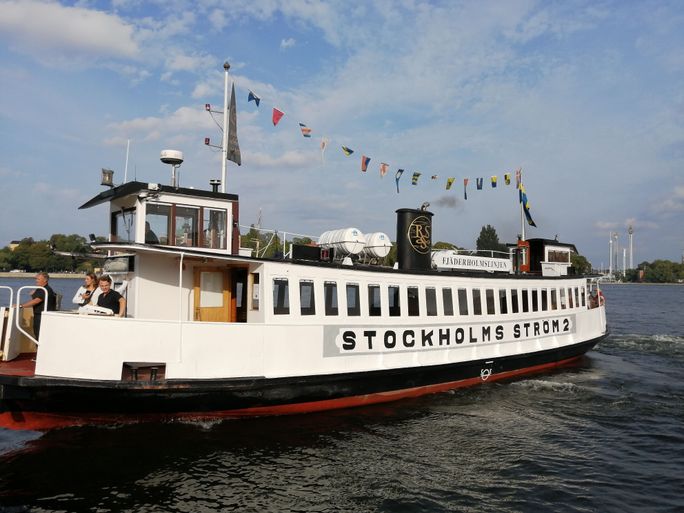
(580, 263)
(489, 240)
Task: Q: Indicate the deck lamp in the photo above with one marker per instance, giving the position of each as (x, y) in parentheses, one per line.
(107, 177)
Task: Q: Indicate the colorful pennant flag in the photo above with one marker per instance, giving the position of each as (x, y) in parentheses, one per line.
(450, 182)
(465, 188)
(525, 205)
(397, 177)
(478, 183)
(364, 163)
(507, 178)
(324, 145)
(494, 179)
(347, 151)
(254, 97)
(306, 131)
(518, 178)
(277, 116)
(383, 169)
(433, 177)
(414, 178)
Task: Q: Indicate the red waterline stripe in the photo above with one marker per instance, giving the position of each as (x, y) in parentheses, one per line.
(38, 421)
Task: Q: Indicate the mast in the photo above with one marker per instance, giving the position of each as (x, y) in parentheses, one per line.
(224, 142)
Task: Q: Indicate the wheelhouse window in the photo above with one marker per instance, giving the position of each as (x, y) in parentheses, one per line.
(214, 228)
(462, 302)
(157, 223)
(413, 307)
(353, 300)
(123, 225)
(186, 226)
(307, 300)
(330, 293)
(448, 300)
(477, 302)
(393, 300)
(374, 309)
(281, 296)
(503, 305)
(431, 301)
(489, 296)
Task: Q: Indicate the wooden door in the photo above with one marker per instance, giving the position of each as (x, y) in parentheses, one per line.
(212, 289)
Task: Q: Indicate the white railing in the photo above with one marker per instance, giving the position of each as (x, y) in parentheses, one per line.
(18, 316)
(287, 253)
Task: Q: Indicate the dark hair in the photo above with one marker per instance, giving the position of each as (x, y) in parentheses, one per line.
(105, 277)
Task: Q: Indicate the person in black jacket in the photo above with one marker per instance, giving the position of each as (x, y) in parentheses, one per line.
(111, 298)
(38, 301)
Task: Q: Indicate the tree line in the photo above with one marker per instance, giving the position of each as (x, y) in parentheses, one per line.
(43, 255)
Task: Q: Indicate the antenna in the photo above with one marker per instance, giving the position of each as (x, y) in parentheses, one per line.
(174, 158)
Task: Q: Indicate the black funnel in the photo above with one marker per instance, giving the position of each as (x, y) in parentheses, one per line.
(414, 239)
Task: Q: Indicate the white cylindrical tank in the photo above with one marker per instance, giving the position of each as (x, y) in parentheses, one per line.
(378, 245)
(345, 241)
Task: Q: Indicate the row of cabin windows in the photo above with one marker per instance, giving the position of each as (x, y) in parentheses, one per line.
(174, 225)
(509, 300)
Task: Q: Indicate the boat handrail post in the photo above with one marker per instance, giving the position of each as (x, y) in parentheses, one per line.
(180, 301)
(17, 316)
(11, 294)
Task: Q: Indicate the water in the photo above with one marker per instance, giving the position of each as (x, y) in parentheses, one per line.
(604, 436)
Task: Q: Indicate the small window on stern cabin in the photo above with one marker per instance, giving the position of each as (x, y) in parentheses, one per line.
(330, 292)
(448, 301)
(307, 297)
(431, 301)
(393, 299)
(374, 309)
(281, 296)
(353, 300)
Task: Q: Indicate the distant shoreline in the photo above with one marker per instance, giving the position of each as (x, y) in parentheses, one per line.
(31, 275)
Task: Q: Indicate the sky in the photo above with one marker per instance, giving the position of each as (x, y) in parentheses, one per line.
(587, 97)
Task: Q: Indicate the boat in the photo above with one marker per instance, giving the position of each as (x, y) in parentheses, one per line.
(213, 330)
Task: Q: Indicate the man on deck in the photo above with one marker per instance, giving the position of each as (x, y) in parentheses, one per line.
(38, 301)
(111, 298)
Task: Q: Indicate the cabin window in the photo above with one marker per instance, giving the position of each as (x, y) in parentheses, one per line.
(577, 297)
(515, 308)
(353, 300)
(186, 227)
(330, 293)
(489, 296)
(559, 256)
(214, 228)
(307, 301)
(431, 301)
(159, 219)
(535, 300)
(462, 302)
(123, 225)
(393, 299)
(448, 301)
(374, 300)
(524, 300)
(503, 304)
(544, 300)
(554, 300)
(413, 308)
(563, 304)
(570, 301)
(281, 296)
(255, 291)
(477, 302)
(583, 293)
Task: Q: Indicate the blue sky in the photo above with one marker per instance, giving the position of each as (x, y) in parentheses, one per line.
(586, 97)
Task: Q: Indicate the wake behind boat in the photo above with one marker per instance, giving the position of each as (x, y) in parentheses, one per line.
(213, 330)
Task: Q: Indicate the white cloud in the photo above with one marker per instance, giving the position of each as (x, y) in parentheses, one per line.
(57, 34)
(287, 160)
(287, 43)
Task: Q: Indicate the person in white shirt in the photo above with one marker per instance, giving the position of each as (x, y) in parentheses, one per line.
(87, 294)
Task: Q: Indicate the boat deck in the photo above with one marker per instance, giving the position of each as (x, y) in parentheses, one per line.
(22, 365)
